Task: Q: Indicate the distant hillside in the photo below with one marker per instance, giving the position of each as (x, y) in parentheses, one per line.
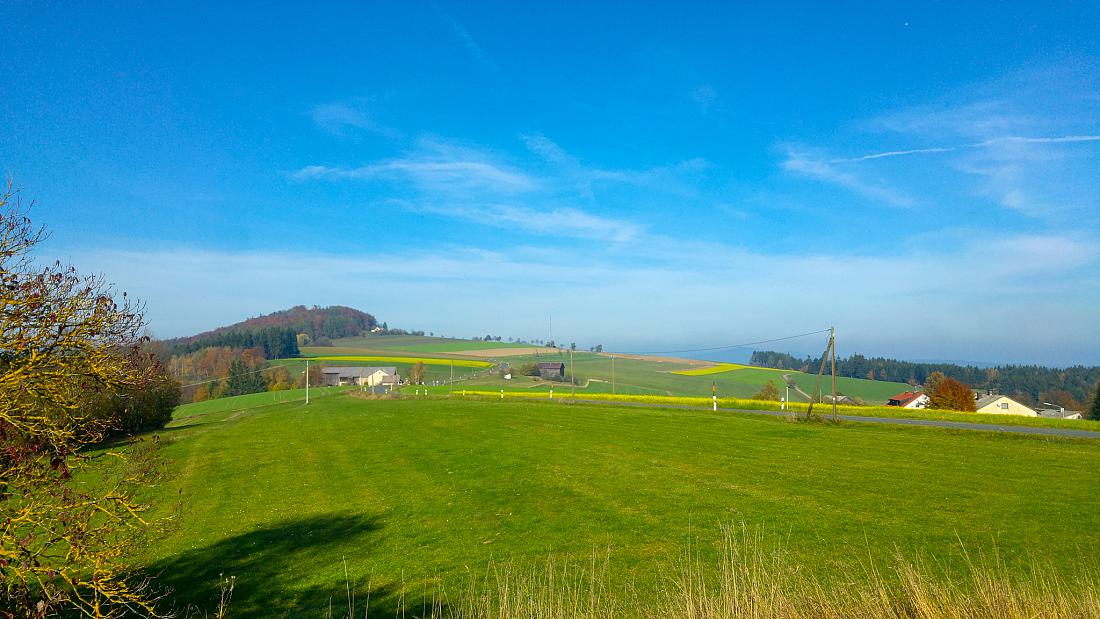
(276, 332)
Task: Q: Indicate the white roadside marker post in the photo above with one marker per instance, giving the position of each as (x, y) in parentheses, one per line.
(501, 394)
(551, 393)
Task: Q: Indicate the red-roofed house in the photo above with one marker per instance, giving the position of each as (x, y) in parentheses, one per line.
(909, 399)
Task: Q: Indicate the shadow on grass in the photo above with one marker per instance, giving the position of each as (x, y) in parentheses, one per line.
(269, 564)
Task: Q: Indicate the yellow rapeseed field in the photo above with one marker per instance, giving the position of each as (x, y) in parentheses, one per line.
(719, 368)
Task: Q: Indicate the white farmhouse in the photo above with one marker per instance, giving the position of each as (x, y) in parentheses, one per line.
(909, 399)
(1002, 405)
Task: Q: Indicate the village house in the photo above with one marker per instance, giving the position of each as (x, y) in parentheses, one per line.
(361, 376)
(996, 404)
(552, 370)
(1059, 413)
(910, 399)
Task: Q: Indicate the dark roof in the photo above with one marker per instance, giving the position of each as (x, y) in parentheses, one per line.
(1057, 413)
(552, 366)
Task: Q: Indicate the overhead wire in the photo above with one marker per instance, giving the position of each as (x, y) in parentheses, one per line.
(742, 345)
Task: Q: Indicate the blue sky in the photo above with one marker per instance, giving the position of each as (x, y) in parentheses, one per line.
(926, 178)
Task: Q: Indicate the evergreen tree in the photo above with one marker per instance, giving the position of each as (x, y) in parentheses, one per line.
(1094, 410)
(242, 380)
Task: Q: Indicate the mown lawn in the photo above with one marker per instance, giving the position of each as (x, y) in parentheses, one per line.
(411, 492)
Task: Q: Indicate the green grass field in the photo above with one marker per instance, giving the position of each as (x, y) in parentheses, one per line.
(651, 377)
(438, 371)
(414, 492)
(593, 371)
(420, 343)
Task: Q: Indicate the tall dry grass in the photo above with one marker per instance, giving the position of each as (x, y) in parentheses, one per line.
(751, 579)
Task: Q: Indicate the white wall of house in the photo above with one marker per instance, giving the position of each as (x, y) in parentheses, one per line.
(1007, 406)
(919, 402)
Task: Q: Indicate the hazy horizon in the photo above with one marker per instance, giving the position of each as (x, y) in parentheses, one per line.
(656, 179)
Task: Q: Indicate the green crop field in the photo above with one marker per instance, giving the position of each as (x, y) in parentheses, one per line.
(411, 493)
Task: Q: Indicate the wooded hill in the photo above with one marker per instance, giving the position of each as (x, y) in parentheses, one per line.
(276, 333)
(1032, 384)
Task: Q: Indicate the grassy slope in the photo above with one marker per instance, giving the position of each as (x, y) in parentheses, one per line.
(411, 490)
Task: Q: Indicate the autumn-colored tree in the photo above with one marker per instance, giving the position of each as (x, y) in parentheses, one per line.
(768, 392)
(932, 382)
(1060, 397)
(64, 341)
(416, 373)
(278, 379)
(201, 394)
(950, 394)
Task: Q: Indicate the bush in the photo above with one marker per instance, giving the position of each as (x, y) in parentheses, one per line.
(139, 408)
(529, 369)
(768, 392)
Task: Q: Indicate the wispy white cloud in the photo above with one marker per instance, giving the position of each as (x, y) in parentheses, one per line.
(1009, 139)
(448, 176)
(1024, 142)
(548, 149)
(549, 221)
(825, 171)
(474, 185)
(336, 118)
(477, 51)
(668, 178)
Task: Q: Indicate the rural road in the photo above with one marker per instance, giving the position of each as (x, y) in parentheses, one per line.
(956, 425)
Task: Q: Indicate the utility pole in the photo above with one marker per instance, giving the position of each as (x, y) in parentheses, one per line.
(832, 353)
(307, 381)
(452, 374)
(825, 356)
(572, 375)
(612, 374)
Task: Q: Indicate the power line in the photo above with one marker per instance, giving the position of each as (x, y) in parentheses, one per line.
(669, 352)
(215, 380)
